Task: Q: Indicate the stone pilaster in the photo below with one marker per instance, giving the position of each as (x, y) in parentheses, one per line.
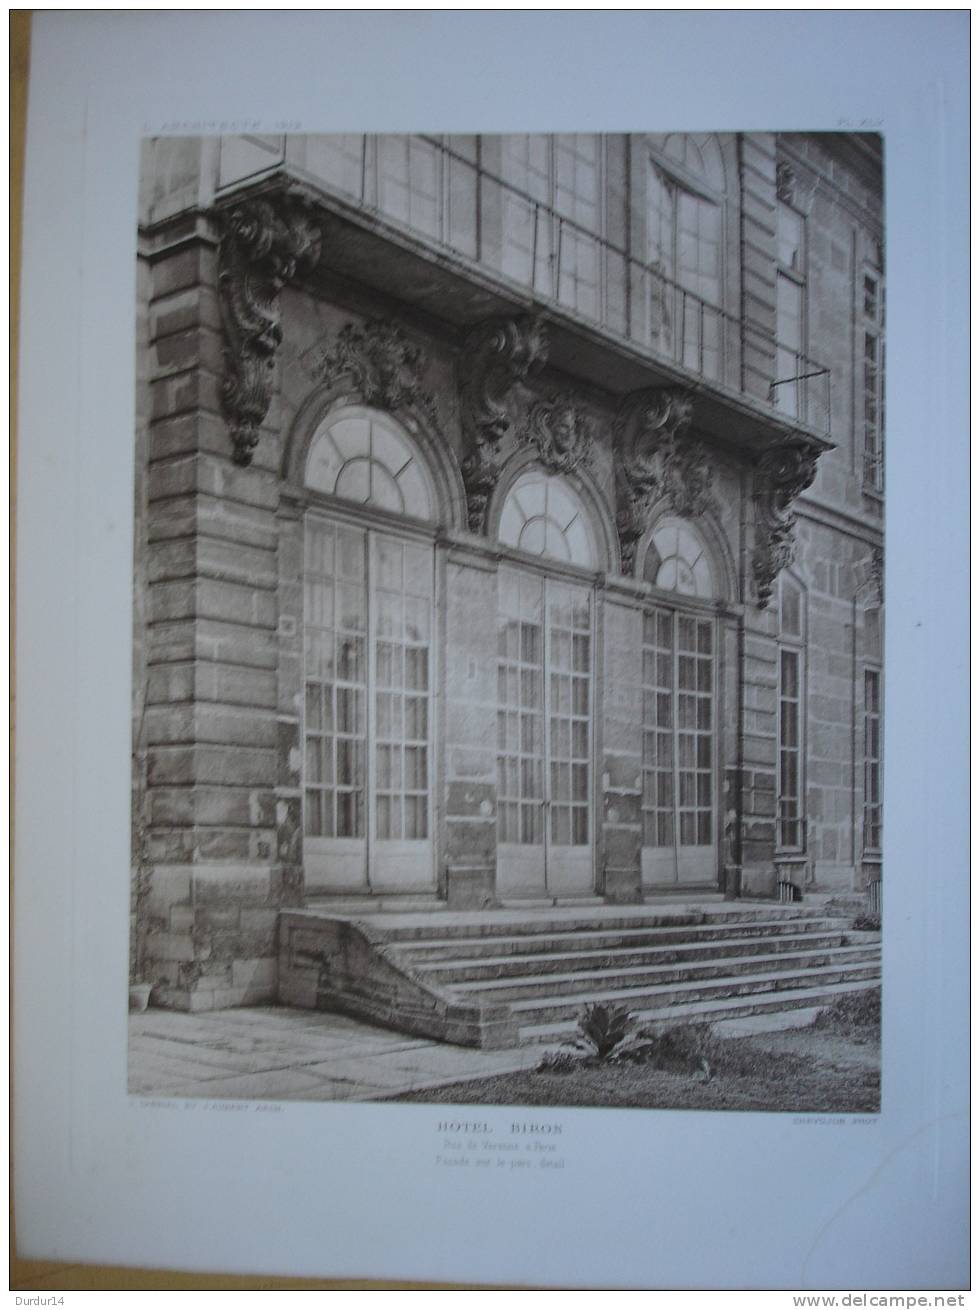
(622, 759)
(211, 730)
(757, 836)
(470, 710)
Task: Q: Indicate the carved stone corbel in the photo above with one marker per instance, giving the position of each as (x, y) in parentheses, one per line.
(560, 432)
(265, 243)
(384, 368)
(785, 183)
(784, 471)
(496, 356)
(656, 461)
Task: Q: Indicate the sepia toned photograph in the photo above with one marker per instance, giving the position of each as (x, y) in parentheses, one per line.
(508, 620)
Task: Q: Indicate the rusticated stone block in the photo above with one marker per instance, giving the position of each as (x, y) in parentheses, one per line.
(231, 684)
(179, 393)
(215, 918)
(173, 846)
(193, 347)
(232, 885)
(233, 844)
(622, 846)
(236, 602)
(621, 808)
(471, 763)
(470, 887)
(471, 841)
(193, 306)
(191, 266)
(622, 886)
(471, 799)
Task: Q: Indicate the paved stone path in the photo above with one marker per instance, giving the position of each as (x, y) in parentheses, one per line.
(271, 1053)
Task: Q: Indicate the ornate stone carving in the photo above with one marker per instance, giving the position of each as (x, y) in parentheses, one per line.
(877, 573)
(783, 472)
(384, 368)
(265, 243)
(497, 355)
(785, 183)
(561, 433)
(656, 461)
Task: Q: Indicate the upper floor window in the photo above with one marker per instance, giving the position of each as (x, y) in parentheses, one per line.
(790, 309)
(685, 188)
(363, 456)
(552, 215)
(873, 377)
(543, 515)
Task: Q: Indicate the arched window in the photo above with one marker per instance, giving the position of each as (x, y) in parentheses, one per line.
(368, 608)
(543, 515)
(680, 782)
(698, 153)
(545, 827)
(676, 560)
(363, 456)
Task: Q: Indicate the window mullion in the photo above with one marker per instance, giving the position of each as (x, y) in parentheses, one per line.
(675, 714)
(370, 709)
(546, 676)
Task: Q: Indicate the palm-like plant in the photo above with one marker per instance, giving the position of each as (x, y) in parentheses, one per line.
(602, 1029)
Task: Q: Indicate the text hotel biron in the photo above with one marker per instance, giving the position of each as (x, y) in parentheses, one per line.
(508, 528)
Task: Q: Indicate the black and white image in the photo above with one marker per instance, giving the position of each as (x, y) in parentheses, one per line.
(508, 620)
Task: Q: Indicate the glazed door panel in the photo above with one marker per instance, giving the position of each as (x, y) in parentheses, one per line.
(679, 839)
(544, 738)
(367, 710)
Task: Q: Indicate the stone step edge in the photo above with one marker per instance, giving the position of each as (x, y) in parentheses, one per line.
(590, 978)
(826, 924)
(722, 1008)
(489, 925)
(812, 941)
(639, 995)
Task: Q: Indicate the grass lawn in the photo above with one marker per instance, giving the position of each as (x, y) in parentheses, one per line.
(822, 1069)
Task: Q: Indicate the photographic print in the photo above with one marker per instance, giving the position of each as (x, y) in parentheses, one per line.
(508, 620)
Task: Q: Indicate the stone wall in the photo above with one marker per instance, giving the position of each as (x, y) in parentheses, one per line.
(211, 656)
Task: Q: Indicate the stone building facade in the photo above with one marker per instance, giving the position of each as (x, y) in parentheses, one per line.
(508, 529)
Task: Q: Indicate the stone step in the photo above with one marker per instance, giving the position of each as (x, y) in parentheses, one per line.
(712, 1011)
(643, 977)
(549, 1009)
(448, 972)
(601, 938)
(455, 926)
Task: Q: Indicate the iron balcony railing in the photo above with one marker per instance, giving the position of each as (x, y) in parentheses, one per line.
(443, 197)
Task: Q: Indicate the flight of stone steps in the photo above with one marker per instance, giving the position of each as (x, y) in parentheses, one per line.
(702, 965)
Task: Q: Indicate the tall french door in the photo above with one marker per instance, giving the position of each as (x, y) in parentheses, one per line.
(544, 737)
(679, 767)
(368, 709)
